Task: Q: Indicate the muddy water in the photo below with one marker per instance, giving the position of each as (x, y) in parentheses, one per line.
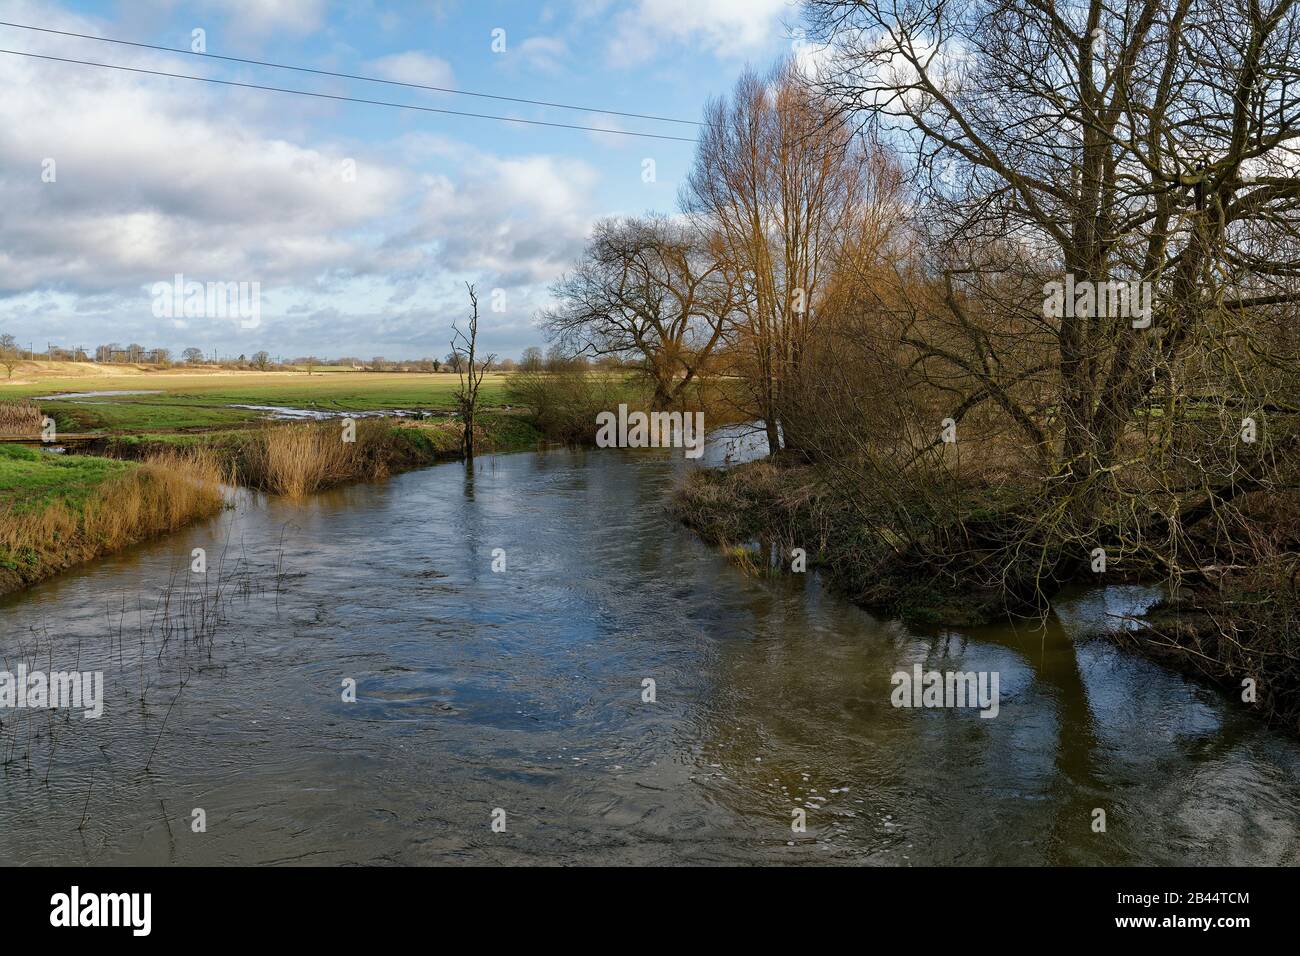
(522, 690)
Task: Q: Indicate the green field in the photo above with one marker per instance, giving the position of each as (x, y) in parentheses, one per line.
(30, 479)
(189, 401)
(65, 503)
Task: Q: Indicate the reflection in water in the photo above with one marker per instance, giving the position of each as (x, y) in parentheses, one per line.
(522, 690)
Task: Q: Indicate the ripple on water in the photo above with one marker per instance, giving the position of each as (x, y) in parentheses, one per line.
(523, 690)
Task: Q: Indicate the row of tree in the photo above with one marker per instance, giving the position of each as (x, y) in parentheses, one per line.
(533, 359)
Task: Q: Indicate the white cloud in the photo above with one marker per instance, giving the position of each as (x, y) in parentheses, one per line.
(152, 180)
(415, 67)
(725, 28)
(513, 221)
(260, 17)
(543, 54)
(814, 60)
(603, 121)
(156, 177)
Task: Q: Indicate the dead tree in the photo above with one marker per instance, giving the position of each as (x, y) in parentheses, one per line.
(469, 372)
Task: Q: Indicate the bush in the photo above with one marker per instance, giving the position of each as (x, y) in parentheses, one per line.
(564, 404)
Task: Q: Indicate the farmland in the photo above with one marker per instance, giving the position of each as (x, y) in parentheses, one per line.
(137, 399)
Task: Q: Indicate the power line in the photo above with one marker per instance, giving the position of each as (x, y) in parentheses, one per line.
(351, 76)
(347, 99)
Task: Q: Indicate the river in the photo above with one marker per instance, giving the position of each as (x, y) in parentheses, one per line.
(521, 690)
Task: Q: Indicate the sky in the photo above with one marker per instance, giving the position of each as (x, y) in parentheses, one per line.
(359, 223)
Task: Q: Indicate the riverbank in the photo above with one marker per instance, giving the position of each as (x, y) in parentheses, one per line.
(1238, 631)
(299, 458)
(759, 512)
(59, 510)
(1242, 637)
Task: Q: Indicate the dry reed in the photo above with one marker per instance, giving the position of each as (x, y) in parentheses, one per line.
(163, 494)
(20, 419)
(296, 460)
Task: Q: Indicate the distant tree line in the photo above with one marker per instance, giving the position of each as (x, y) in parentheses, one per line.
(532, 359)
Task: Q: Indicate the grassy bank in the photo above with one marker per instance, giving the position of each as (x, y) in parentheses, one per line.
(57, 511)
(60, 510)
(563, 405)
(297, 459)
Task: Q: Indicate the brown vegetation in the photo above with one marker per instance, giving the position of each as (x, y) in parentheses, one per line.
(20, 419)
(464, 345)
(947, 417)
(651, 290)
(160, 495)
(296, 460)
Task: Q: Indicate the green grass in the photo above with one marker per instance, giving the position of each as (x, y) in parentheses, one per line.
(128, 414)
(339, 389)
(30, 479)
(499, 432)
(332, 393)
(190, 402)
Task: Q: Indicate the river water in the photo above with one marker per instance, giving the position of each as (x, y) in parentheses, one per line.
(521, 690)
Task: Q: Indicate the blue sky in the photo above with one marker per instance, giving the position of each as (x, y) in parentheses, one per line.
(154, 176)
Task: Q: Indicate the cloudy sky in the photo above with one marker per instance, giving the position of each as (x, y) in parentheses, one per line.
(361, 223)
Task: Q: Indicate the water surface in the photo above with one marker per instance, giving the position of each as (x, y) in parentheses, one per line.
(522, 690)
(106, 393)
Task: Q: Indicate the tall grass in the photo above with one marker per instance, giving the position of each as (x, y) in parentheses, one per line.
(162, 494)
(20, 419)
(296, 460)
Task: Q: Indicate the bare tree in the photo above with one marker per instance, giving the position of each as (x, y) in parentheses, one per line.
(532, 359)
(647, 288)
(1146, 147)
(10, 354)
(470, 374)
(781, 185)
